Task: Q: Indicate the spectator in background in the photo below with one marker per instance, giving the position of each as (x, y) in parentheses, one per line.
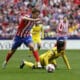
(12, 10)
(62, 29)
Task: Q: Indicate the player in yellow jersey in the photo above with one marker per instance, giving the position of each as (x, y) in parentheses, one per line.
(37, 33)
(50, 57)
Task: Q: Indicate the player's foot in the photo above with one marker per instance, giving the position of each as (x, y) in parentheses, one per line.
(22, 64)
(39, 65)
(4, 64)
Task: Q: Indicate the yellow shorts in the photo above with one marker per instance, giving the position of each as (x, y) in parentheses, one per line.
(36, 39)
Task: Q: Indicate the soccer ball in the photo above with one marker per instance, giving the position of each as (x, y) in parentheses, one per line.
(50, 68)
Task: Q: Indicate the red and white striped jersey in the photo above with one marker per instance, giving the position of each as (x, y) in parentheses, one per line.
(62, 29)
(24, 28)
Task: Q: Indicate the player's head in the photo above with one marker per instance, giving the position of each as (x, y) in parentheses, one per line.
(35, 13)
(60, 45)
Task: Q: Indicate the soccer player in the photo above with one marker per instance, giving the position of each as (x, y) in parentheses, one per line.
(50, 57)
(23, 36)
(62, 29)
(37, 32)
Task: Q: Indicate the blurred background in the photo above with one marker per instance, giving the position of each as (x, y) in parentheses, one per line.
(51, 11)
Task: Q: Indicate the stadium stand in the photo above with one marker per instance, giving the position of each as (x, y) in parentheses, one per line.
(12, 10)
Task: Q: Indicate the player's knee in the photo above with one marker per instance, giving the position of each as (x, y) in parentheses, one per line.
(31, 49)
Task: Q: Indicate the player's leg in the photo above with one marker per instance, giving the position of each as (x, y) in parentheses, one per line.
(35, 46)
(27, 63)
(39, 46)
(39, 43)
(16, 43)
(8, 56)
(28, 42)
(35, 53)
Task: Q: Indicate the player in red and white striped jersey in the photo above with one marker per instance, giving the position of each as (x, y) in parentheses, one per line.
(23, 36)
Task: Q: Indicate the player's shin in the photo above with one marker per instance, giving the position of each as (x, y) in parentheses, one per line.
(35, 53)
(8, 56)
(6, 61)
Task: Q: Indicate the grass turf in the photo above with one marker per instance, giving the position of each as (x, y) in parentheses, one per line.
(12, 72)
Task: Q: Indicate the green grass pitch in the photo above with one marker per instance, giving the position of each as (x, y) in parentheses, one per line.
(12, 72)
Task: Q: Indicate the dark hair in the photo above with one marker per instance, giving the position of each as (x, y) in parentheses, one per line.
(34, 10)
(60, 44)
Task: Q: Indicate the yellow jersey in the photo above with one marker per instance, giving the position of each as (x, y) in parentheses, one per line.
(49, 57)
(36, 30)
(73, 28)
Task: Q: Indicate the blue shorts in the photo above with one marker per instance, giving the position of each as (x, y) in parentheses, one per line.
(62, 38)
(19, 40)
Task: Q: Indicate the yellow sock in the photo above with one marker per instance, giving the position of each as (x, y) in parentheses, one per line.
(30, 64)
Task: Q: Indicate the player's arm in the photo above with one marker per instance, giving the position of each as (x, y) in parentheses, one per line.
(66, 61)
(30, 19)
